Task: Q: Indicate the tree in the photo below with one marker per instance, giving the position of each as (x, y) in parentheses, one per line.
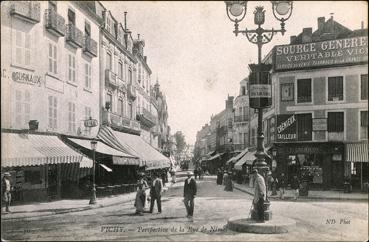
(180, 141)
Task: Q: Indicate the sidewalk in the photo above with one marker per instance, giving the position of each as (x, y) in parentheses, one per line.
(313, 194)
(68, 206)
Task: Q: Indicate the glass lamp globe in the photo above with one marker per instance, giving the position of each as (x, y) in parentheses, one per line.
(282, 7)
(236, 9)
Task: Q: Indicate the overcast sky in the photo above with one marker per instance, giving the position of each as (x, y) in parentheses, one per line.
(190, 47)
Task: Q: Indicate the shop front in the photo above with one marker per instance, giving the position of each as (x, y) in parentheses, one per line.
(357, 165)
(320, 163)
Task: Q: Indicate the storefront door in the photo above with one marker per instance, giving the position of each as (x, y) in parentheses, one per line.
(337, 174)
(52, 190)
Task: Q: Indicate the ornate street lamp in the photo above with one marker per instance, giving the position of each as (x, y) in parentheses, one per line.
(93, 191)
(236, 11)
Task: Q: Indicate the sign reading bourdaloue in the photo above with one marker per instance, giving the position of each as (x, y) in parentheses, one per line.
(260, 90)
(325, 53)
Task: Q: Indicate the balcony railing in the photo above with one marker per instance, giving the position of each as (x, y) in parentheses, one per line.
(146, 118)
(240, 118)
(113, 119)
(110, 78)
(54, 23)
(90, 47)
(132, 92)
(74, 36)
(26, 10)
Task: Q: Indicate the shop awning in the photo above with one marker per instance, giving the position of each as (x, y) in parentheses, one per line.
(215, 156)
(357, 152)
(86, 163)
(136, 146)
(119, 157)
(234, 159)
(248, 158)
(34, 150)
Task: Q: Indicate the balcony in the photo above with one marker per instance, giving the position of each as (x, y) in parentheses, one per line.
(74, 36)
(111, 78)
(132, 92)
(121, 84)
(240, 118)
(146, 118)
(26, 10)
(119, 122)
(90, 47)
(54, 23)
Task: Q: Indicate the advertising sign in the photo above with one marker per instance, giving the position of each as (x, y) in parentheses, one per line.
(319, 124)
(286, 127)
(90, 123)
(324, 53)
(260, 86)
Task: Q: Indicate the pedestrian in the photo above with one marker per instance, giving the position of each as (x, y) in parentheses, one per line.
(143, 181)
(163, 176)
(228, 184)
(219, 177)
(259, 196)
(155, 193)
(189, 193)
(6, 189)
(282, 185)
(173, 175)
(195, 173)
(295, 184)
(140, 199)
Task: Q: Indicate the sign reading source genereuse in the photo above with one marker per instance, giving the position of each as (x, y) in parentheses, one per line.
(325, 53)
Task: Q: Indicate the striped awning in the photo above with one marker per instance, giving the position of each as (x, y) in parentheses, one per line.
(234, 159)
(134, 145)
(357, 152)
(215, 156)
(248, 158)
(34, 150)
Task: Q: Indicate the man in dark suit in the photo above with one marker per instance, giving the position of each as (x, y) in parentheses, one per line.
(155, 193)
(189, 193)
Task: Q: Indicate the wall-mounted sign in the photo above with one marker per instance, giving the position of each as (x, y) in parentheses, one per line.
(287, 92)
(22, 77)
(319, 124)
(286, 127)
(260, 86)
(90, 123)
(324, 53)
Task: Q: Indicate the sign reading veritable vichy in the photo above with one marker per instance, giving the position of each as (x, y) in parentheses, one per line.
(324, 53)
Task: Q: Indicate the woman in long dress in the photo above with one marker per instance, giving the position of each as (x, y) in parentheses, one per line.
(228, 185)
(140, 200)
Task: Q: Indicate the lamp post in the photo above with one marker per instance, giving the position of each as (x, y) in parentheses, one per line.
(93, 188)
(236, 12)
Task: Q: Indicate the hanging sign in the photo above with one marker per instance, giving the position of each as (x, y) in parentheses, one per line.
(260, 86)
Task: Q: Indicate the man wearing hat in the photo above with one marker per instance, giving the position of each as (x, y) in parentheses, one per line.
(259, 195)
(189, 193)
(6, 188)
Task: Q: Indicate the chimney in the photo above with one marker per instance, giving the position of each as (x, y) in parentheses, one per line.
(306, 34)
(125, 21)
(321, 21)
(292, 39)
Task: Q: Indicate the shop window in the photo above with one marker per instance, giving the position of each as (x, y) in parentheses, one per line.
(304, 126)
(32, 177)
(303, 90)
(335, 122)
(363, 124)
(364, 86)
(335, 88)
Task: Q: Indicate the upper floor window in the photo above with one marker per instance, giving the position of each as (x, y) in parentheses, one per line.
(71, 17)
(71, 117)
(130, 76)
(22, 48)
(335, 122)
(88, 75)
(22, 107)
(87, 29)
(53, 54)
(88, 116)
(243, 91)
(303, 90)
(120, 107)
(53, 112)
(363, 124)
(364, 86)
(71, 68)
(109, 99)
(120, 70)
(108, 61)
(335, 88)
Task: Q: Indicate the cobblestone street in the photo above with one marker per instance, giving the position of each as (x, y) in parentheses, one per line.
(213, 206)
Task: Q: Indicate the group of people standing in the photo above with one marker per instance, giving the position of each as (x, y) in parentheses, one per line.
(225, 178)
(281, 184)
(155, 190)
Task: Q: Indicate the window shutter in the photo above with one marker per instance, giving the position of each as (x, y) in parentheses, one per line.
(19, 48)
(27, 50)
(55, 58)
(55, 112)
(74, 68)
(50, 58)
